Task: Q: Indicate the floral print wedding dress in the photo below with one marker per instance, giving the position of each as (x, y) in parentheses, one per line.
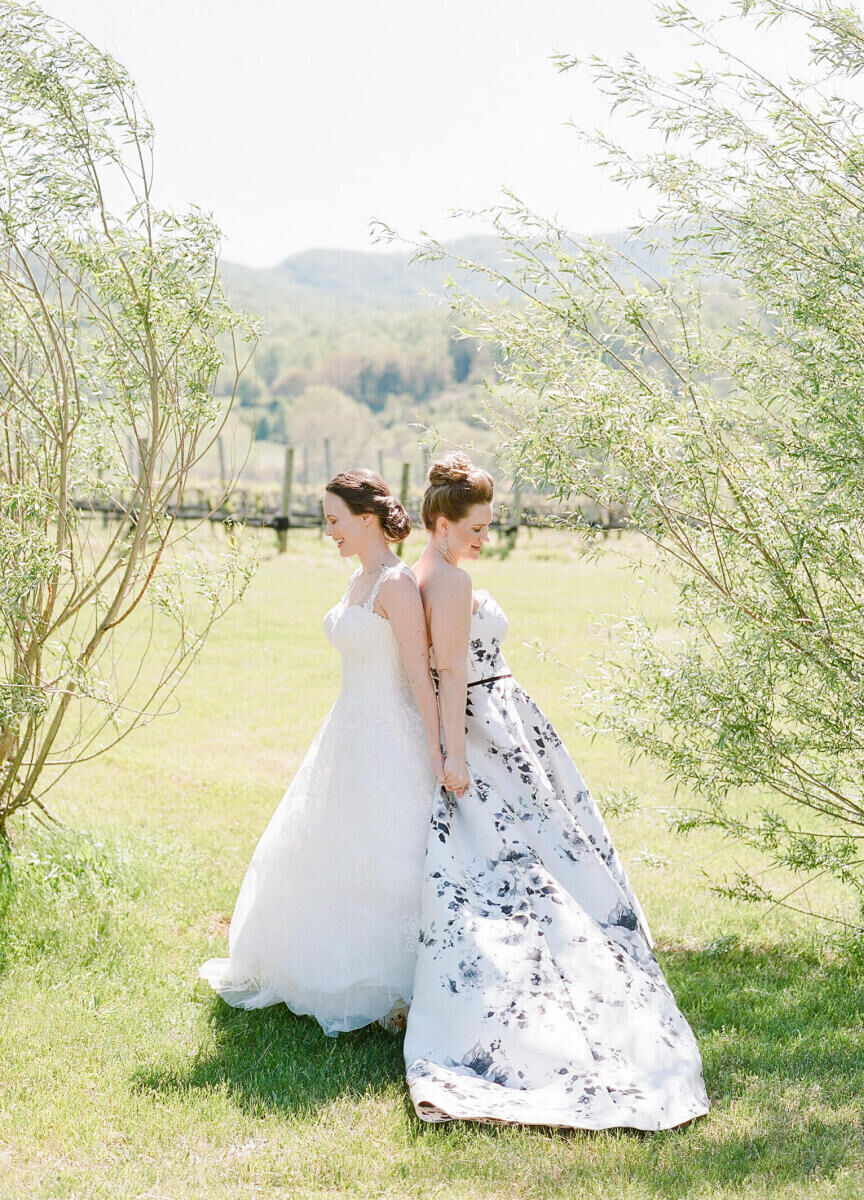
(537, 998)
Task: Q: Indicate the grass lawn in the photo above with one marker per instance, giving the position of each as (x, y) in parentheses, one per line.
(121, 1076)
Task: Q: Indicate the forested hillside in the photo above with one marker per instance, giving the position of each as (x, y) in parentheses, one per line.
(359, 354)
(353, 352)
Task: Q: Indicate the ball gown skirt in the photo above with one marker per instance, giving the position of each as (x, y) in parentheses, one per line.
(537, 998)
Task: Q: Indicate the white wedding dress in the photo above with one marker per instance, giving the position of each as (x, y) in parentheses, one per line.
(328, 913)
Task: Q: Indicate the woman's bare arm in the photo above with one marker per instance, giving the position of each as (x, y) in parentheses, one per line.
(400, 602)
(449, 603)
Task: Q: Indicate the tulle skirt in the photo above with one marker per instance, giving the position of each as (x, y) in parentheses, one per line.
(328, 914)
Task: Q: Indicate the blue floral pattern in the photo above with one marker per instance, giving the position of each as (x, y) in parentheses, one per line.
(537, 997)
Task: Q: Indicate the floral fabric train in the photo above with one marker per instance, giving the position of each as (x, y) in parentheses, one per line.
(537, 998)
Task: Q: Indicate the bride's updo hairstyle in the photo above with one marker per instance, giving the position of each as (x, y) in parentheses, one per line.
(455, 484)
(365, 492)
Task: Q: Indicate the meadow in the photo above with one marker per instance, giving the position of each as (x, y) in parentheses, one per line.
(121, 1076)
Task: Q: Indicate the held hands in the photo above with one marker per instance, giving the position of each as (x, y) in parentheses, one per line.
(456, 776)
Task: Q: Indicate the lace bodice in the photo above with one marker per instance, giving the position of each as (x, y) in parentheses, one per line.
(371, 665)
(328, 914)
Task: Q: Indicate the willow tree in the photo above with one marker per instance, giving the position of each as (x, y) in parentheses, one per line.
(735, 445)
(113, 326)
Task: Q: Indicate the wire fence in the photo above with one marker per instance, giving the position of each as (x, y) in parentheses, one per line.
(289, 506)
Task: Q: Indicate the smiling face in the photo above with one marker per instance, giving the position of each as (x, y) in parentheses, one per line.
(347, 529)
(466, 537)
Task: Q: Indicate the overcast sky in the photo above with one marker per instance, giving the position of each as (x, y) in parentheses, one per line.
(299, 121)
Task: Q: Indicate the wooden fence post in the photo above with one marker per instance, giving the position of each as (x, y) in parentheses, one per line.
(105, 503)
(285, 512)
(515, 513)
(223, 473)
(140, 490)
(403, 497)
(381, 463)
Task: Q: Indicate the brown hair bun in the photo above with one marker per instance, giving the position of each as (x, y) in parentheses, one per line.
(394, 519)
(455, 485)
(366, 492)
(455, 468)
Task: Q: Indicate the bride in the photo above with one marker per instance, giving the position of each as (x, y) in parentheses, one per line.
(327, 916)
(537, 998)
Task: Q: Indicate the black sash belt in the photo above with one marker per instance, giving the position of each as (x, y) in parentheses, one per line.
(491, 679)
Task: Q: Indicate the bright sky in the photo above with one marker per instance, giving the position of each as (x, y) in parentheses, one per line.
(299, 121)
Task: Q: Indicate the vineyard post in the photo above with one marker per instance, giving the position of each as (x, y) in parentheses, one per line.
(403, 497)
(223, 474)
(285, 512)
(515, 513)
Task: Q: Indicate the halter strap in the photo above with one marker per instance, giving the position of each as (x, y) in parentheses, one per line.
(385, 571)
(351, 579)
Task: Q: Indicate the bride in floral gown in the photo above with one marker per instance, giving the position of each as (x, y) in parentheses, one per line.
(326, 919)
(537, 998)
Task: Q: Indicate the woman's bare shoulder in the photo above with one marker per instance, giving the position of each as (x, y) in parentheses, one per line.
(446, 584)
(399, 585)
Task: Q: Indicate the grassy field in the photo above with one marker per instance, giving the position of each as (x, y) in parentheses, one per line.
(121, 1076)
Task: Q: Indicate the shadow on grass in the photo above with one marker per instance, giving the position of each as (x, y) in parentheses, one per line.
(782, 1042)
(271, 1059)
(783, 1050)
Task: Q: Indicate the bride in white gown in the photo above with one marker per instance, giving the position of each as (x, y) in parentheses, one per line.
(327, 916)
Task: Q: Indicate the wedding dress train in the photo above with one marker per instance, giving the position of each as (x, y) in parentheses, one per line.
(537, 998)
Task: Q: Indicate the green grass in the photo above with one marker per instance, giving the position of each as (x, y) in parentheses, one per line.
(121, 1076)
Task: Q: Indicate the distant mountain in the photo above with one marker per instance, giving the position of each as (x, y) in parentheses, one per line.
(353, 277)
(384, 280)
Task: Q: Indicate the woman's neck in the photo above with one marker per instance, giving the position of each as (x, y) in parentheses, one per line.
(374, 556)
(435, 550)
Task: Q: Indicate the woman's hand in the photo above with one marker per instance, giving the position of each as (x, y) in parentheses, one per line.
(456, 776)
